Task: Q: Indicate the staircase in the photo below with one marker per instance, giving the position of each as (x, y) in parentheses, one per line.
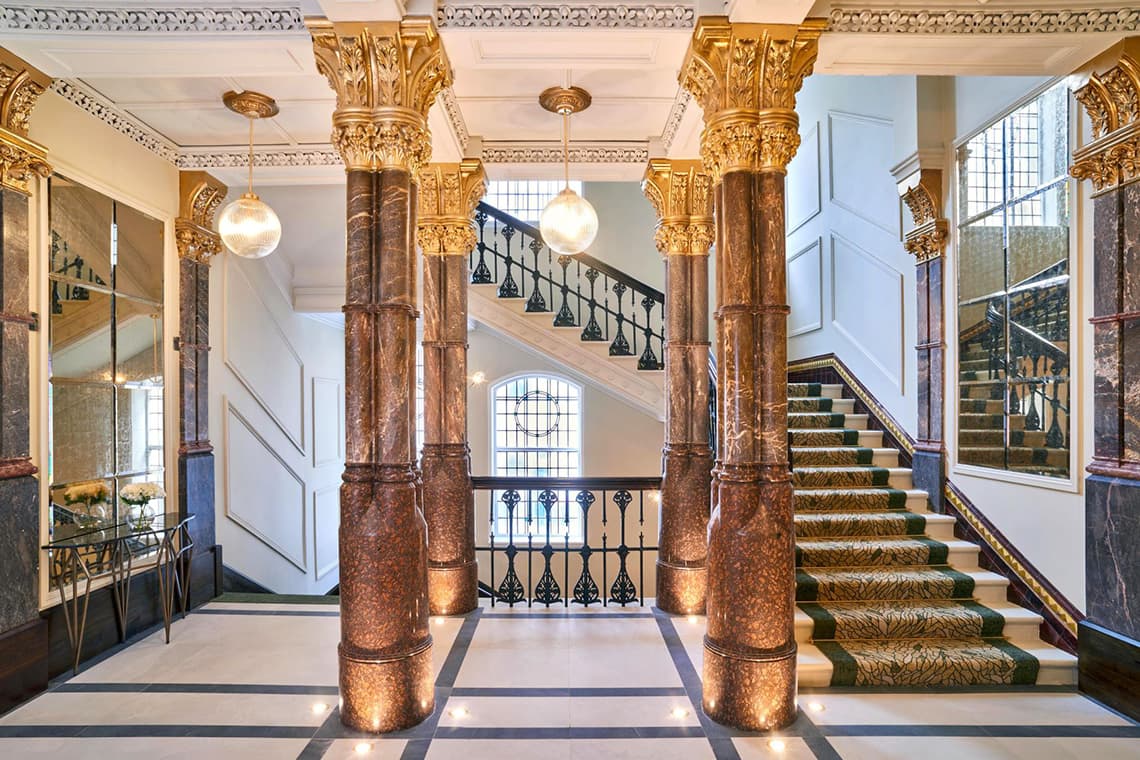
(886, 595)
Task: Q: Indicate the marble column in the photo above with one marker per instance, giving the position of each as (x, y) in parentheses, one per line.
(386, 76)
(200, 196)
(681, 194)
(22, 162)
(745, 76)
(1109, 638)
(448, 196)
(926, 241)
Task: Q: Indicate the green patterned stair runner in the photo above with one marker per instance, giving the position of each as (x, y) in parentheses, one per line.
(886, 608)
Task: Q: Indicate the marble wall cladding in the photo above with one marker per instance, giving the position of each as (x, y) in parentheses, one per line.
(1112, 553)
(1106, 341)
(196, 496)
(14, 339)
(929, 475)
(19, 551)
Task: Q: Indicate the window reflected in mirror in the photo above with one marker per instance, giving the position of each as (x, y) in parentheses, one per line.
(1013, 291)
(105, 363)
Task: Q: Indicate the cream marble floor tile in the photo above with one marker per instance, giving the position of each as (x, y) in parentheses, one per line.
(379, 749)
(619, 652)
(641, 749)
(498, 749)
(1071, 749)
(229, 649)
(526, 652)
(761, 748)
(691, 631)
(166, 708)
(443, 633)
(507, 712)
(166, 748)
(928, 708)
(631, 711)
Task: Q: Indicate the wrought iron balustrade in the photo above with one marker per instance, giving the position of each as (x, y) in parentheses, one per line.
(563, 541)
(580, 291)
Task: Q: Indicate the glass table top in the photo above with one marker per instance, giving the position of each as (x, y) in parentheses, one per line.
(73, 536)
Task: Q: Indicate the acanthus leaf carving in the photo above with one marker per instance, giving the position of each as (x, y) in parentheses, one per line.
(21, 160)
(447, 197)
(680, 192)
(1111, 98)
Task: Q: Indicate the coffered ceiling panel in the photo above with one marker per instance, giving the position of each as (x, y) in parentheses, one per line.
(522, 118)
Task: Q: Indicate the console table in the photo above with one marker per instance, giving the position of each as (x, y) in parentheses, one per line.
(80, 557)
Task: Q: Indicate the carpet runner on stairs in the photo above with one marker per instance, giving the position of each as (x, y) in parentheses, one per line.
(876, 571)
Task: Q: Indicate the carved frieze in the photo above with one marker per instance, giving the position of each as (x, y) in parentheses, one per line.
(200, 196)
(1110, 96)
(448, 195)
(20, 159)
(746, 76)
(681, 194)
(386, 76)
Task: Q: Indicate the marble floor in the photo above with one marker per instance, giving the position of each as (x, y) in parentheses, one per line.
(258, 680)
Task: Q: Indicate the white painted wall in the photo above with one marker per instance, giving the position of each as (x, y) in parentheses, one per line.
(1044, 523)
(851, 285)
(625, 230)
(277, 419)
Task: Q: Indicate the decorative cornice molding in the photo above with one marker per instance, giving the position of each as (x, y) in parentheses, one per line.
(106, 112)
(454, 117)
(260, 17)
(951, 21)
(551, 153)
(238, 157)
(575, 15)
(676, 115)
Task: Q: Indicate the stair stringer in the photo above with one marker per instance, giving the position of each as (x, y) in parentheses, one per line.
(641, 389)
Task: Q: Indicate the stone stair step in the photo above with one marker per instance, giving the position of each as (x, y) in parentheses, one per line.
(836, 437)
(1014, 455)
(808, 390)
(815, 420)
(883, 551)
(852, 477)
(930, 662)
(895, 522)
(898, 583)
(925, 618)
(859, 499)
(845, 455)
(981, 406)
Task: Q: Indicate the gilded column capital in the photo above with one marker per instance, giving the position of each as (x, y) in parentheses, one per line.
(20, 158)
(199, 196)
(746, 76)
(386, 76)
(681, 194)
(922, 194)
(448, 195)
(1110, 95)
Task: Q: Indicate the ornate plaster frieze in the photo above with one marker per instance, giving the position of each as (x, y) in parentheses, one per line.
(106, 112)
(676, 115)
(454, 117)
(957, 21)
(551, 153)
(566, 15)
(255, 17)
(237, 157)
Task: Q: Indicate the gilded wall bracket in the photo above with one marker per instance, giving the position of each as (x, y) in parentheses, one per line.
(200, 196)
(1110, 95)
(21, 159)
(922, 194)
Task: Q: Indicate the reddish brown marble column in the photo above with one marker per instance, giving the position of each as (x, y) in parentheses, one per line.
(447, 200)
(681, 194)
(386, 76)
(745, 76)
(926, 241)
(1108, 640)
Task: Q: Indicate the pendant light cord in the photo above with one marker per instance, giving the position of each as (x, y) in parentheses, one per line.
(566, 147)
(251, 155)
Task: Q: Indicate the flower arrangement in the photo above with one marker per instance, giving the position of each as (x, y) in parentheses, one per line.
(139, 495)
(93, 498)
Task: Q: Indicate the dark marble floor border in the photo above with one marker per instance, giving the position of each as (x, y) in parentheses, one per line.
(647, 615)
(270, 613)
(599, 691)
(195, 688)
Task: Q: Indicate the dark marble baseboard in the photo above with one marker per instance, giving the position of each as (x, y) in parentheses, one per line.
(1109, 668)
(1112, 553)
(19, 551)
(196, 494)
(234, 582)
(929, 473)
(23, 663)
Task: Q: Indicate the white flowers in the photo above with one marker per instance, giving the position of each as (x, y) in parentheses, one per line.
(86, 493)
(141, 493)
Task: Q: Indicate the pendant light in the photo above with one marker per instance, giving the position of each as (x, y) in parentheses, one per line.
(248, 226)
(568, 223)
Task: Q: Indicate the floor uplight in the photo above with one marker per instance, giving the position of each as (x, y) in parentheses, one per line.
(692, 618)
(777, 745)
(363, 748)
(460, 712)
(816, 707)
(319, 708)
(680, 712)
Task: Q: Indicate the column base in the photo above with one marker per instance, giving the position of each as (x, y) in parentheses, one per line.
(454, 589)
(386, 694)
(681, 590)
(748, 692)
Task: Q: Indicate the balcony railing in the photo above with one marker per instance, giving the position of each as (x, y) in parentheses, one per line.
(563, 541)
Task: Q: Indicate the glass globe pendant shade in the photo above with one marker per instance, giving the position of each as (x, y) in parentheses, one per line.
(569, 223)
(249, 227)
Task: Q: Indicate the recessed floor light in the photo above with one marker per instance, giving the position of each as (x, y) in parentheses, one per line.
(777, 745)
(319, 708)
(460, 712)
(363, 748)
(680, 712)
(692, 618)
(816, 706)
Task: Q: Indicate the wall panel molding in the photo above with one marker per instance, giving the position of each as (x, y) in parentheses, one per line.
(860, 149)
(259, 489)
(328, 421)
(260, 378)
(878, 332)
(326, 526)
(805, 289)
(805, 200)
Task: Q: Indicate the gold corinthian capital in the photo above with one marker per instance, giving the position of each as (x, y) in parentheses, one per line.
(20, 159)
(1110, 94)
(681, 194)
(199, 196)
(746, 76)
(386, 76)
(448, 195)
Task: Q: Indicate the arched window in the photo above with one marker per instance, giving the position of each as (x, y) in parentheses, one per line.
(536, 432)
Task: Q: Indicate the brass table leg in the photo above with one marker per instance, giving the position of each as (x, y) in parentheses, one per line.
(121, 585)
(74, 611)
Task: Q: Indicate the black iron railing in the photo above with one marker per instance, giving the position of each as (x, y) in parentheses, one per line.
(73, 268)
(563, 541)
(579, 291)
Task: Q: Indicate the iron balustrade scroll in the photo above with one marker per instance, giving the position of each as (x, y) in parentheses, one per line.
(579, 291)
(533, 558)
